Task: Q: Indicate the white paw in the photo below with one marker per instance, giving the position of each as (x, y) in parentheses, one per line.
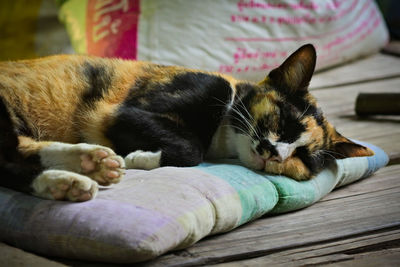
(143, 160)
(64, 185)
(98, 162)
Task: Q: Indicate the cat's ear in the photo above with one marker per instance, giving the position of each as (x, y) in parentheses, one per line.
(345, 148)
(295, 73)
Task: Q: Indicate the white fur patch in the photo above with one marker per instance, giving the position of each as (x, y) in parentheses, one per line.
(64, 156)
(232, 101)
(223, 142)
(64, 185)
(284, 150)
(246, 155)
(97, 162)
(146, 160)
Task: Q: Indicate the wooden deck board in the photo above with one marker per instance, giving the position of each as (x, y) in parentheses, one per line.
(342, 250)
(338, 106)
(11, 256)
(376, 67)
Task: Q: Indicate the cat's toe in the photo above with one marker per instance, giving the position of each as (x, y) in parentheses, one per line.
(103, 166)
(64, 185)
(87, 163)
(92, 158)
(112, 169)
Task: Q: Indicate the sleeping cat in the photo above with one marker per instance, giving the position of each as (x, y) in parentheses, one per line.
(69, 123)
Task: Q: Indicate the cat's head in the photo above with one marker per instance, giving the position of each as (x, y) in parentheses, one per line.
(279, 126)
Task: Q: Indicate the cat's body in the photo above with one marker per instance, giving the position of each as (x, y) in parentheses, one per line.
(61, 115)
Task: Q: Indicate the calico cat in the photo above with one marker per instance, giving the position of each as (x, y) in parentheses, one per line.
(69, 123)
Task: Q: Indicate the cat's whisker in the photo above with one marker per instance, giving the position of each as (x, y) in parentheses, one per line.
(223, 104)
(244, 107)
(334, 153)
(326, 152)
(304, 112)
(238, 128)
(251, 117)
(245, 125)
(243, 121)
(316, 155)
(248, 123)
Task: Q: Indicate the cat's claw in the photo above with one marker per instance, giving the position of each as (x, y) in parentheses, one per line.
(103, 166)
(64, 185)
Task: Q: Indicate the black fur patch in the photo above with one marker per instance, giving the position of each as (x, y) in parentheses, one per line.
(266, 145)
(99, 79)
(23, 128)
(319, 117)
(8, 137)
(314, 164)
(197, 99)
(263, 126)
(17, 172)
(290, 128)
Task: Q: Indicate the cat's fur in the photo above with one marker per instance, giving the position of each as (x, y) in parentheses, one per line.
(62, 118)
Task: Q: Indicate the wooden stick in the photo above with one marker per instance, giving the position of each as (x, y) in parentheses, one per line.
(378, 104)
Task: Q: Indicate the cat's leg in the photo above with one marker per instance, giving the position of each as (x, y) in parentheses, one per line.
(97, 162)
(169, 155)
(27, 174)
(178, 151)
(151, 140)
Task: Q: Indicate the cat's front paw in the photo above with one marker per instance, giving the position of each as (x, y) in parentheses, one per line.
(98, 162)
(292, 167)
(146, 160)
(64, 185)
(102, 165)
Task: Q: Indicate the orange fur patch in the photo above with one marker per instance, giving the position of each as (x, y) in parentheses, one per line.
(27, 146)
(316, 133)
(292, 167)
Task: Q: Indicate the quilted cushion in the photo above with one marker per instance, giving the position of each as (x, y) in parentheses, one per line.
(152, 212)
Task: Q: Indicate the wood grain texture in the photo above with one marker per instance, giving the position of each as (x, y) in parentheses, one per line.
(357, 249)
(11, 256)
(338, 106)
(376, 67)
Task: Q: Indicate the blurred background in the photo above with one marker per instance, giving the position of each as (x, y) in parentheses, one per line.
(244, 38)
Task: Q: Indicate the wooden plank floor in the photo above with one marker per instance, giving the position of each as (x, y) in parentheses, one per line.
(357, 225)
(377, 67)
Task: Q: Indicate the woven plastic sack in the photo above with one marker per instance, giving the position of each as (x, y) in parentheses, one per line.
(244, 38)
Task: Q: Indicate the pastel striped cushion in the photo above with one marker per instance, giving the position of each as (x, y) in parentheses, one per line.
(152, 212)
